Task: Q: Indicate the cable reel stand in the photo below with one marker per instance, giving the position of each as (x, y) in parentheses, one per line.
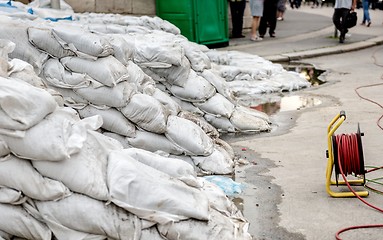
(345, 156)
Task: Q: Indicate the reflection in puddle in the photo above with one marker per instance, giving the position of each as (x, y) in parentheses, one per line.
(238, 202)
(289, 103)
(309, 72)
(280, 102)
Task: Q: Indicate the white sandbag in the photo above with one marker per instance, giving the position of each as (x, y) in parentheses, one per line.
(174, 167)
(150, 233)
(15, 30)
(173, 74)
(99, 218)
(219, 162)
(110, 28)
(116, 96)
(24, 71)
(138, 77)
(70, 98)
(153, 142)
(217, 105)
(5, 236)
(195, 89)
(65, 137)
(164, 98)
(22, 105)
(11, 196)
(186, 159)
(43, 39)
(234, 73)
(189, 136)
(218, 227)
(222, 124)
(154, 47)
(16, 221)
(289, 80)
(107, 70)
(212, 76)
(209, 129)
(112, 120)
(4, 149)
(56, 75)
(226, 146)
(19, 174)
(147, 112)
(187, 106)
(6, 47)
(199, 61)
(121, 139)
(248, 119)
(219, 200)
(123, 50)
(83, 41)
(157, 78)
(246, 87)
(151, 194)
(85, 171)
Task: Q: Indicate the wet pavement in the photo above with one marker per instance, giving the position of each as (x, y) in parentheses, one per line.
(285, 196)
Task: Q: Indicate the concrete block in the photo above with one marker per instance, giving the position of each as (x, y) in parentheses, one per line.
(114, 6)
(144, 7)
(83, 5)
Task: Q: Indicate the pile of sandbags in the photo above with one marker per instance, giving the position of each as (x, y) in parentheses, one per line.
(60, 177)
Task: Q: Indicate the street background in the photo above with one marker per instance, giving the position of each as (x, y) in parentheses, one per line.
(285, 195)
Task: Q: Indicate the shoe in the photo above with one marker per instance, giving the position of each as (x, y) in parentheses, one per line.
(342, 37)
(280, 18)
(368, 24)
(238, 36)
(363, 23)
(272, 35)
(256, 39)
(262, 36)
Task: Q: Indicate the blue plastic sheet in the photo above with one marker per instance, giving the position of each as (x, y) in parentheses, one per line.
(229, 186)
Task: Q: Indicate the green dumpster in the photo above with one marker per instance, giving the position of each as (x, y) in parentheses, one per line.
(201, 21)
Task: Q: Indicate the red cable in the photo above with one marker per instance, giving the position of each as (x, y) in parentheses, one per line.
(349, 161)
(348, 185)
(356, 227)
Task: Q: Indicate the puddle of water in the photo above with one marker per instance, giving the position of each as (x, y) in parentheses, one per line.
(280, 102)
(288, 103)
(308, 71)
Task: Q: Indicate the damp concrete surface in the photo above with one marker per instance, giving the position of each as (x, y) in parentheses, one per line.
(285, 169)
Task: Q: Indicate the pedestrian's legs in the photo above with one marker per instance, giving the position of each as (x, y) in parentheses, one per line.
(262, 26)
(237, 10)
(254, 28)
(272, 22)
(338, 19)
(366, 14)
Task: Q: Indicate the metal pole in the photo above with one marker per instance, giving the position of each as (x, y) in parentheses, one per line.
(55, 4)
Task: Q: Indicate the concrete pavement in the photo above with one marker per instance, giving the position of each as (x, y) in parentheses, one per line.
(309, 32)
(285, 197)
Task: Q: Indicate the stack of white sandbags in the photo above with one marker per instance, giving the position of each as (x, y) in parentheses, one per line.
(61, 178)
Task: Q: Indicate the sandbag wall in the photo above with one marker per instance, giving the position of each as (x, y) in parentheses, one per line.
(60, 178)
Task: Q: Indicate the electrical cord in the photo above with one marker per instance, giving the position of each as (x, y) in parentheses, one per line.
(345, 148)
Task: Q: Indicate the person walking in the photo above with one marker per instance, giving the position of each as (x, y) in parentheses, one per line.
(269, 18)
(341, 10)
(237, 10)
(281, 10)
(256, 8)
(366, 14)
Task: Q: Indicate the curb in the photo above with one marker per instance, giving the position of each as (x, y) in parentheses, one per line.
(286, 57)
